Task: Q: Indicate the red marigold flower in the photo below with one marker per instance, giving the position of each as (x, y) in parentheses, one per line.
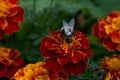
(108, 31)
(9, 62)
(36, 71)
(111, 67)
(67, 54)
(10, 15)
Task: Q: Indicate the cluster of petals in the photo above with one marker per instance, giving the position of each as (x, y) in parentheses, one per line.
(108, 31)
(10, 61)
(111, 65)
(10, 15)
(66, 54)
(36, 71)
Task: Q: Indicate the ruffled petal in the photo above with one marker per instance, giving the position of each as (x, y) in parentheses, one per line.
(53, 65)
(62, 60)
(11, 70)
(49, 43)
(17, 14)
(109, 44)
(115, 37)
(78, 55)
(46, 52)
(12, 27)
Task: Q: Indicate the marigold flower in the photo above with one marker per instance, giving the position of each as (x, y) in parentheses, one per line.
(111, 67)
(9, 61)
(35, 72)
(66, 54)
(10, 15)
(108, 31)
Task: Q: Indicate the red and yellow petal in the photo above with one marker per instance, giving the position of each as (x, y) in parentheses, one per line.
(78, 55)
(109, 44)
(115, 37)
(14, 54)
(57, 36)
(3, 23)
(101, 26)
(49, 43)
(16, 15)
(108, 27)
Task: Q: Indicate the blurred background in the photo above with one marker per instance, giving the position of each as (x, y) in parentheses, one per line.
(43, 16)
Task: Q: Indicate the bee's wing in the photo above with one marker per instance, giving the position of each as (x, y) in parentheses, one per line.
(65, 26)
(71, 24)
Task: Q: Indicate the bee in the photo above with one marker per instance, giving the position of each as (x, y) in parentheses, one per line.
(68, 29)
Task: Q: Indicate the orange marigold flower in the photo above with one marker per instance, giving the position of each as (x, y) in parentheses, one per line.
(108, 31)
(111, 67)
(35, 71)
(10, 15)
(9, 61)
(67, 54)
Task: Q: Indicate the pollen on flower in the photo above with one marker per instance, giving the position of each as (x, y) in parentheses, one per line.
(111, 65)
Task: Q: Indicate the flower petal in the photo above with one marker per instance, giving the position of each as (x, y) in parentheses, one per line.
(19, 62)
(13, 1)
(78, 55)
(2, 34)
(115, 36)
(3, 70)
(3, 23)
(84, 42)
(88, 53)
(62, 60)
(109, 44)
(17, 14)
(14, 53)
(75, 69)
(12, 27)
(49, 43)
(52, 64)
(95, 29)
(46, 52)
(11, 71)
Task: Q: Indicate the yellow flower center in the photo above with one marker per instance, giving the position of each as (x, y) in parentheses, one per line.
(69, 42)
(113, 64)
(5, 5)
